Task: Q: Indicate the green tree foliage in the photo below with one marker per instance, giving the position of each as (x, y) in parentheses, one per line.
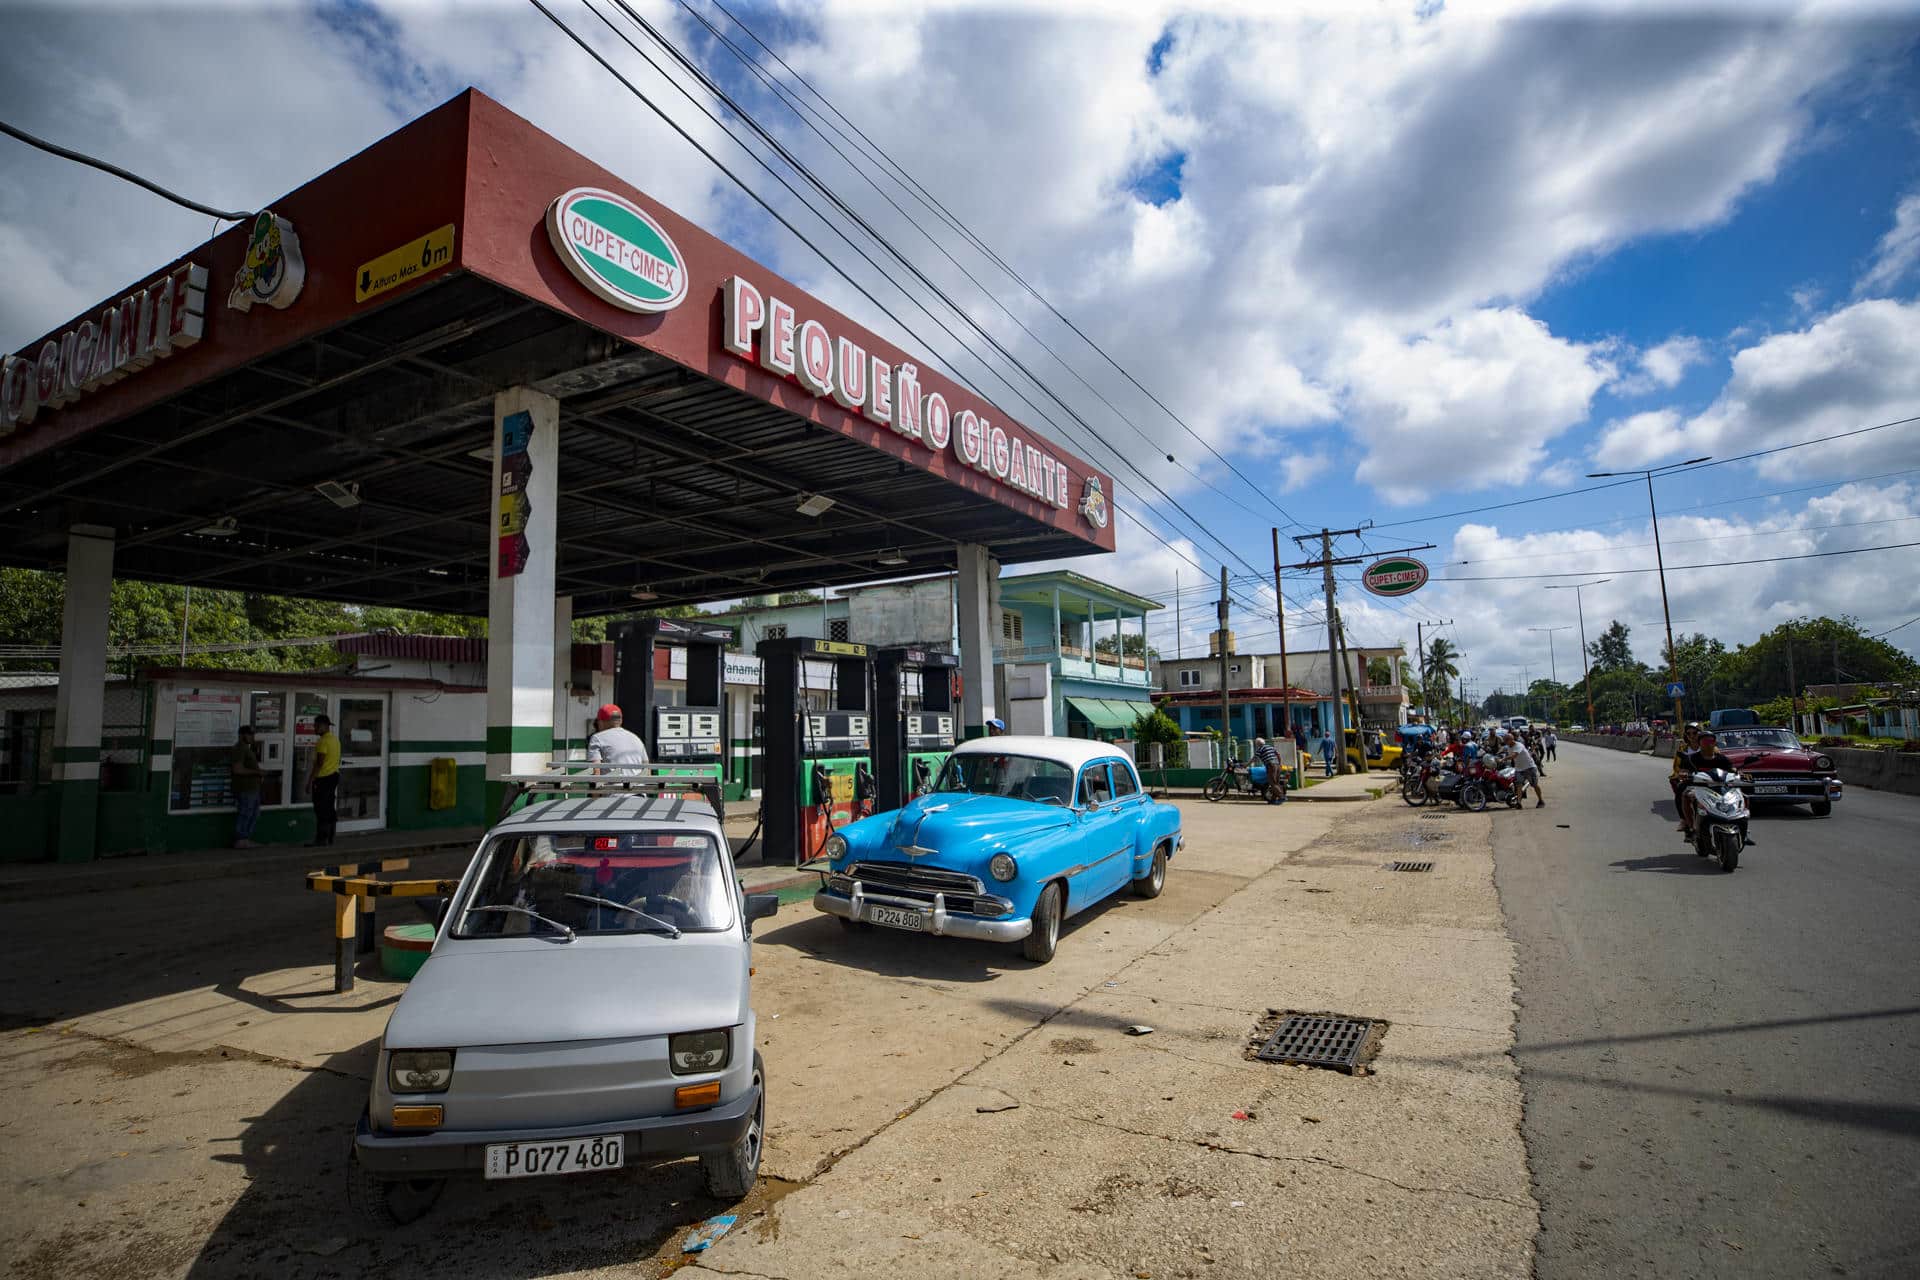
(1158, 726)
(1379, 671)
(1825, 650)
(1135, 646)
(1612, 651)
(1443, 660)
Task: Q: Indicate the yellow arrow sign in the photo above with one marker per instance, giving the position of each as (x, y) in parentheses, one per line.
(430, 253)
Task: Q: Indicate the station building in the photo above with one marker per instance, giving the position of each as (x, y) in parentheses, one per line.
(468, 370)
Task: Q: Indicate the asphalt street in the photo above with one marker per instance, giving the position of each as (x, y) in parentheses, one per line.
(1721, 1071)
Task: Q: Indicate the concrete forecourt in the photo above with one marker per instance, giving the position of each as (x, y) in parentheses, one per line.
(185, 1085)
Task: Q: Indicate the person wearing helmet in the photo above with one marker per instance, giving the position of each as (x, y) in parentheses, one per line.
(615, 744)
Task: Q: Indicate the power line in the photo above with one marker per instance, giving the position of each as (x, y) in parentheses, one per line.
(1890, 630)
(125, 175)
(1717, 564)
(927, 200)
(1093, 444)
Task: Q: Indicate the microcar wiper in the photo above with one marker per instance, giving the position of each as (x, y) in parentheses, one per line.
(565, 930)
(666, 926)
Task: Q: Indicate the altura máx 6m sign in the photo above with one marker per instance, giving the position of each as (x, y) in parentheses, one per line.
(1395, 576)
(835, 365)
(616, 250)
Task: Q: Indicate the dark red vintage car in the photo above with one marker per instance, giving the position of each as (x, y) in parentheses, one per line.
(1780, 769)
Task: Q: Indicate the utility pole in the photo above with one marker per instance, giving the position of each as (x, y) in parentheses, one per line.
(1419, 635)
(1176, 615)
(1793, 686)
(1280, 606)
(1553, 665)
(1226, 696)
(1353, 698)
(1586, 674)
(1660, 561)
(1325, 563)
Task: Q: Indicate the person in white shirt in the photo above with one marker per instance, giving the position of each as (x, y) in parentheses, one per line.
(614, 744)
(1526, 772)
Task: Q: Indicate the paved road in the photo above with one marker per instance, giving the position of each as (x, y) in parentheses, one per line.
(1722, 1072)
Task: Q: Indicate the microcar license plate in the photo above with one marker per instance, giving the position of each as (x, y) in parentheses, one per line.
(574, 1155)
(896, 918)
(1771, 789)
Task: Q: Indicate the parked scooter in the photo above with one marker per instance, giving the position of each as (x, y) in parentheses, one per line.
(1440, 782)
(1719, 816)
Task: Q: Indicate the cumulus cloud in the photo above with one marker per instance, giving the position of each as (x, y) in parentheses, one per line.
(1298, 470)
(1735, 603)
(1660, 368)
(1640, 440)
(1485, 391)
(1898, 252)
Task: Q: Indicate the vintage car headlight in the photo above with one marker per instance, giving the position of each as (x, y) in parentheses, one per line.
(695, 1051)
(1823, 762)
(835, 848)
(1003, 868)
(420, 1070)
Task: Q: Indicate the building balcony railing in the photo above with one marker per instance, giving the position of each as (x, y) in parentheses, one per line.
(1382, 692)
(1072, 660)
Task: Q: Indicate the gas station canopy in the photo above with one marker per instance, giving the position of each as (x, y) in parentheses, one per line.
(305, 404)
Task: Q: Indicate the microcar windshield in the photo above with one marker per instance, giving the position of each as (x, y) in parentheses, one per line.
(565, 884)
(1014, 776)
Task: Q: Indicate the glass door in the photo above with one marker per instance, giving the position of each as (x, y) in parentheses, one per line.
(362, 726)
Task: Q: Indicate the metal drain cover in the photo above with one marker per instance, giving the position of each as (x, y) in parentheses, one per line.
(1434, 817)
(1409, 866)
(1319, 1040)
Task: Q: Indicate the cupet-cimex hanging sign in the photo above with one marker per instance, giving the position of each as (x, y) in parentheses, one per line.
(1394, 576)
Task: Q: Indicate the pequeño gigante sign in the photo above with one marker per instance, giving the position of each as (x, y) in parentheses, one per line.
(1395, 576)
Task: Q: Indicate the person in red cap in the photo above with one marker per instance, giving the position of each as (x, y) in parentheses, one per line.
(614, 744)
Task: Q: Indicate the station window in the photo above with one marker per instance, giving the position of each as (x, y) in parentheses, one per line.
(837, 629)
(1011, 627)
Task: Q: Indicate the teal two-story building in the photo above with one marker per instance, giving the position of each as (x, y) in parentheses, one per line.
(1072, 656)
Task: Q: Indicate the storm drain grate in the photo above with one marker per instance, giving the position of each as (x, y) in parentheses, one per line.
(1409, 866)
(1319, 1040)
(1434, 817)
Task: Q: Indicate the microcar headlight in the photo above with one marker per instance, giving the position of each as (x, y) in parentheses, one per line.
(1003, 868)
(1823, 762)
(691, 1052)
(420, 1070)
(835, 848)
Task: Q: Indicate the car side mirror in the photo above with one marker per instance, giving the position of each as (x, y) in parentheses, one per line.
(437, 911)
(762, 905)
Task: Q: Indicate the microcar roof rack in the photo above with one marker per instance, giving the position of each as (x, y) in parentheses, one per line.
(584, 777)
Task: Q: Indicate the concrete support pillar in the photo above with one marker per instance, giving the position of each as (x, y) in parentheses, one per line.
(520, 608)
(979, 626)
(565, 718)
(82, 691)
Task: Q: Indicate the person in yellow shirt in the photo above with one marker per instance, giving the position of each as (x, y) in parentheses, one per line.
(323, 784)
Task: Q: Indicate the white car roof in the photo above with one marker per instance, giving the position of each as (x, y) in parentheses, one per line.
(601, 814)
(1072, 752)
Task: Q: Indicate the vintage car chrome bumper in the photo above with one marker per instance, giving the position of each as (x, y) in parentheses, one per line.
(1794, 788)
(457, 1151)
(940, 921)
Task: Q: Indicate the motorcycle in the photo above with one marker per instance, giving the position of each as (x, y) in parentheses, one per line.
(1499, 782)
(1441, 779)
(1253, 779)
(1719, 816)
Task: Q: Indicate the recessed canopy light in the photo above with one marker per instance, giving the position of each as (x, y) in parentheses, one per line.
(891, 556)
(813, 504)
(224, 527)
(340, 495)
(644, 592)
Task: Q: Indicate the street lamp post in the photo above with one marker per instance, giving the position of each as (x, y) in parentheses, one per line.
(1553, 666)
(1586, 676)
(1673, 659)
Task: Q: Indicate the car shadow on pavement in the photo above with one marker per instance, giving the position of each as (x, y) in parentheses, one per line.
(295, 1218)
(1687, 863)
(896, 953)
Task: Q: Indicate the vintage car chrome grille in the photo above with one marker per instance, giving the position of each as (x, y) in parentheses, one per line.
(962, 893)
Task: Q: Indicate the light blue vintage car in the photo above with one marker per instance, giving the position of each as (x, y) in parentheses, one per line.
(1017, 834)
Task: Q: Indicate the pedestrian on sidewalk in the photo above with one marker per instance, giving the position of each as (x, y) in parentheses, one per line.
(1526, 773)
(323, 784)
(247, 773)
(1326, 753)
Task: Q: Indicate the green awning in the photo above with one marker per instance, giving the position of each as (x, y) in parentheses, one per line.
(1109, 713)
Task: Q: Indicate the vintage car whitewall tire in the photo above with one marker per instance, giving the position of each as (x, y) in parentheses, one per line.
(1150, 884)
(730, 1174)
(1039, 945)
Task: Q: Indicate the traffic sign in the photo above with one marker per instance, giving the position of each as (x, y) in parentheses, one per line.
(1677, 689)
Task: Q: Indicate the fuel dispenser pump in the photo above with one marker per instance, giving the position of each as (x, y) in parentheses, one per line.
(819, 774)
(914, 729)
(693, 730)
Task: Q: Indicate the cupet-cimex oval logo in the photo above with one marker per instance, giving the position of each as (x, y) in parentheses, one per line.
(617, 250)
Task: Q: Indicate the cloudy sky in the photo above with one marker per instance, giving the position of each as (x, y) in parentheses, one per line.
(1416, 263)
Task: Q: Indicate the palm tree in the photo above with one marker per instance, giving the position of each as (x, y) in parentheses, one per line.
(1439, 665)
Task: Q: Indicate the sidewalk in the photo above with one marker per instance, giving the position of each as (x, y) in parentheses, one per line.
(1339, 789)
